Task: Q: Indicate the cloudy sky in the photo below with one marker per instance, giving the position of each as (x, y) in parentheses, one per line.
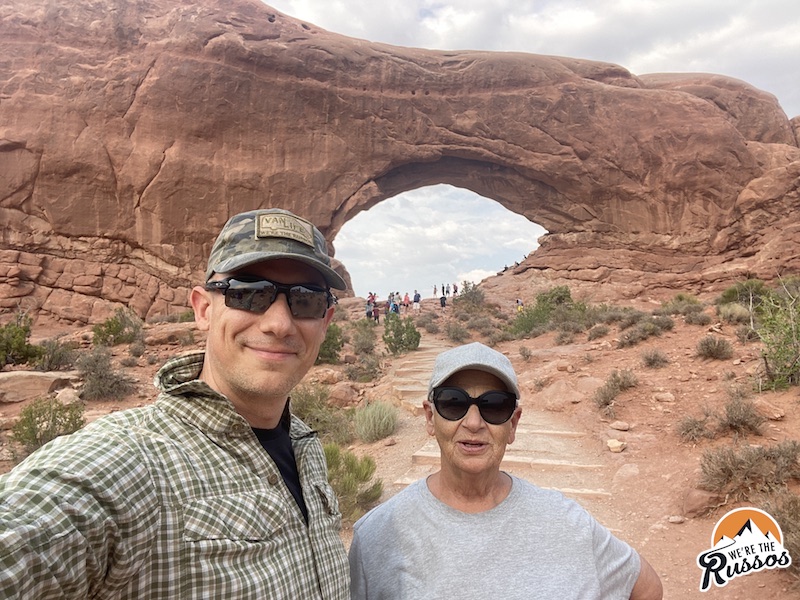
(443, 234)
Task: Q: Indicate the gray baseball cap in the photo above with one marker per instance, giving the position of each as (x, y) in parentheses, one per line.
(260, 235)
(477, 357)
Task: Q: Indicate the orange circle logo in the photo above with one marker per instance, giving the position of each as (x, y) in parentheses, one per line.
(735, 523)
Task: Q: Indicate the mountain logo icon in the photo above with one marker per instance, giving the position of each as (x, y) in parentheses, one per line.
(745, 540)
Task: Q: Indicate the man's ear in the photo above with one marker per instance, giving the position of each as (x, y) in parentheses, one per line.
(428, 408)
(200, 299)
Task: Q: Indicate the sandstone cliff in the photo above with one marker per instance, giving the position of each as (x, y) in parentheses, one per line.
(130, 130)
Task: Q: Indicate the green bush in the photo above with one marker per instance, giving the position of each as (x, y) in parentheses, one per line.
(400, 335)
(310, 403)
(364, 336)
(469, 295)
(100, 381)
(56, 356)
(124, 327)
(714, 347)
(525, 353)
(331, 346)
(642, 330)
(375, 421)
(14, 346)
(780, 331)
(750, 294)
(45, 419)
(746, 334)
(351, 479)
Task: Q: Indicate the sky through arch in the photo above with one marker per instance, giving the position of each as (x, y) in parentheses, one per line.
(430, 236)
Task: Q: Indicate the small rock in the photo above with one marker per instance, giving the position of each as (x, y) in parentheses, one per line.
(616, 446)
(390, 441)
(620, 426)
(664, 397)
(677, 519)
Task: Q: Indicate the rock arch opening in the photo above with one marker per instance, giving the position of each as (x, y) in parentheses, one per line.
(432, 235)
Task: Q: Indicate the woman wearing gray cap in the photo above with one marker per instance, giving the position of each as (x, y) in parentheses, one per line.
(473, 531)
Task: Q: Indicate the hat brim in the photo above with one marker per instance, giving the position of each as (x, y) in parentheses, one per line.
(332, 278)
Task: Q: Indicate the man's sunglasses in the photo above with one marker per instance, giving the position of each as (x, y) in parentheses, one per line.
(255, 294)
(452, 403)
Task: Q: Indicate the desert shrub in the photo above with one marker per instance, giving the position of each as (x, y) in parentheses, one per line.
(642, 330)
(607, 315)
(124, 327)
(310, 403)
(456, 333)
(714, 347)
(499, 336)
(654, 359)
(663, 322)
(597, 332)
(331, 346)
(750, 294)
(630, 318)
(744, 471)
(784, 506)
(780, 331)
(746, 334)
(364, 336)
(100, 380)
(14, 346)
(375, 421)
(427, 317)
(400, 335)
(563, 338)
(525, 353)
(44, 420)
(136, 349)
(481, 323)
(186, 316)
(128, 362)
(351, 479)
(617, 382)
(366, 368)
(680, 304)
(55, 356)
(693, 429)
(733, 313)
(740, 415)
(432, 327)
(697, 318)
(541, 313)
(152, 359)
(470, 295)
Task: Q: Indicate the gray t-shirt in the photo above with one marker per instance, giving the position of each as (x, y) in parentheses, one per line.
(534, 544)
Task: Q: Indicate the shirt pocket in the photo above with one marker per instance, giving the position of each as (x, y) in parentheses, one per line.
(244, 517)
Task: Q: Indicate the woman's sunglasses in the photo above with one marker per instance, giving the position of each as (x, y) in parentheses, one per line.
(452, 403)
(256, 295)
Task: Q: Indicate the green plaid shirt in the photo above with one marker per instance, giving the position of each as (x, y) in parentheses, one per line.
(172, 501)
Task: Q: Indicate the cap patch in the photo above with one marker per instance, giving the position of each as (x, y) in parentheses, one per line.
(285, 226)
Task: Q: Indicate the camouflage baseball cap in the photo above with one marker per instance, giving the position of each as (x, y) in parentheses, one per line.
(261, 235)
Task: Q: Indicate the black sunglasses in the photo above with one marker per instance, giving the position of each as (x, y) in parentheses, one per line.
(452, 403)
(255, 294)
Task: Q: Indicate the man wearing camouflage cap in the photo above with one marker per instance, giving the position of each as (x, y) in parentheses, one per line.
(216, 490)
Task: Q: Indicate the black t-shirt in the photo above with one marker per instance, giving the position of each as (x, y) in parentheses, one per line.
(279, 446)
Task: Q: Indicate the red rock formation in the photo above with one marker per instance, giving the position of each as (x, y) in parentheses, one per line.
(131, 129)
